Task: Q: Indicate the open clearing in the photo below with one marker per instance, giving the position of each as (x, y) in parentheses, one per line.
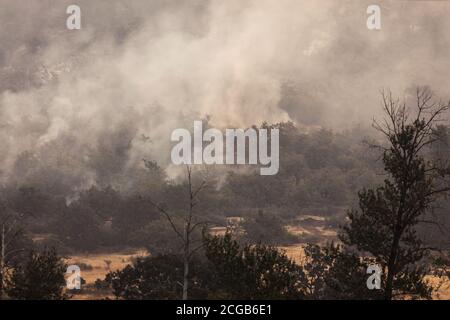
(120, 259)
(96, 266)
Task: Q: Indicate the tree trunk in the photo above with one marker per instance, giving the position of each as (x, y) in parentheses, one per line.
(186, 263)
(186, 279)
(392, 267)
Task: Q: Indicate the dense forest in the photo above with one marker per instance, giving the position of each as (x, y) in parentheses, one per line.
(352, 97)
(324, 176)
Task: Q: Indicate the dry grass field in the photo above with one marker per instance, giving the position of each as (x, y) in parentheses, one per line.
(97, 266)
(120, 259)
(296, 253)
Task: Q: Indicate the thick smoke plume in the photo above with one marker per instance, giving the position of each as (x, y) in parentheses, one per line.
(84, 107)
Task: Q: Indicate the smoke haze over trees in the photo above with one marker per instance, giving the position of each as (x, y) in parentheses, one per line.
(83, 108)
(86, 118)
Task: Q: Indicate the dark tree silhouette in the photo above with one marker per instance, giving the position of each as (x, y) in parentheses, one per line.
(40, 277)
(253, 271)
(333, 272)
(13, 243)
(157, 277)
(386, 224)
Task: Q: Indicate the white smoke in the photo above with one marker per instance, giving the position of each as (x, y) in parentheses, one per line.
(89, 105)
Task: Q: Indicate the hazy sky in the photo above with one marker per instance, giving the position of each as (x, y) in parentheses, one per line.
(82, 101)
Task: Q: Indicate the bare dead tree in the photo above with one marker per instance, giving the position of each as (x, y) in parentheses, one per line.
(190, 225)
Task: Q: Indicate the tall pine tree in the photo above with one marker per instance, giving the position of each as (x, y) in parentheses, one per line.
(385, 226)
